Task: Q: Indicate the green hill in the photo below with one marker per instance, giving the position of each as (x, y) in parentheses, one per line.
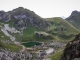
(61, 29)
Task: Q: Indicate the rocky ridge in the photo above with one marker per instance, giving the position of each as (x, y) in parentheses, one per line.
(72, 50)
(22, 18)
(74, 19)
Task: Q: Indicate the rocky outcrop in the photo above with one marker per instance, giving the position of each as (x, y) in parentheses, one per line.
(7, 30)
(22, 18)
(4, 16)
(43, 35)
(72, 50)
(74, 19)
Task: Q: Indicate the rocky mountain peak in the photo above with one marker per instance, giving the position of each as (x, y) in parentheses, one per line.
(75, 13)
(4, 16)
(22, 18)
(74, 19)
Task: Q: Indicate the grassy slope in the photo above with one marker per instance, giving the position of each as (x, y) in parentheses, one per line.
(12, 47)
(59, 23)
(28, 33)
(57, 55)
(70, 30)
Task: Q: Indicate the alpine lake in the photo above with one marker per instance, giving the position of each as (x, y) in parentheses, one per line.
(30, 44)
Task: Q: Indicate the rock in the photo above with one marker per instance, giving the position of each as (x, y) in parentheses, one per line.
(5, 16)
(43, 35)
(72, 49)
(22, 18)
(74, 19)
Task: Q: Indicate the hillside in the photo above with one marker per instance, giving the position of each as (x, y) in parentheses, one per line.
(22, 25)
(62, 29)
(74, 19)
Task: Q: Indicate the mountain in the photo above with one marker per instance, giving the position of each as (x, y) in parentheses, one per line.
(22, 25)
(22, 18)
(62, 29)
(72, 49)
(74, 19)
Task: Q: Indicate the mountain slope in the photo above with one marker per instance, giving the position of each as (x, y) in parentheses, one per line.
(6, 39)
(74, 19)
(22, 25)
(62, 29)
(25, 21)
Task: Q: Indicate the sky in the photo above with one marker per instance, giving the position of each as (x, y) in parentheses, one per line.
(43, 8)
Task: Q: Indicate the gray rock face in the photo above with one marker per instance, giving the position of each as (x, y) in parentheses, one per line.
(4, 16)
(9, 55)
(43, 35)
(75, 13)
(22, 18)
(72, 50)
(74, 19)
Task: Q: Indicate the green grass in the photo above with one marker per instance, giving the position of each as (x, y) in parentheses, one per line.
(57, 55)
(12, 47)
(55, 31)
(3, 36)
(58, 24)
(28, 33)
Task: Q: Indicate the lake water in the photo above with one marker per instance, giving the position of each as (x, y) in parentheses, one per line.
(30, 44)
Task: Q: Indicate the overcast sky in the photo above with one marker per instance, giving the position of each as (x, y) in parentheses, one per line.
(44, 8)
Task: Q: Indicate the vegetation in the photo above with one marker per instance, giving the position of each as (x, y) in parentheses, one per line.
(62, 29)
(12, 47)
(57, 55)
(50, 28)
